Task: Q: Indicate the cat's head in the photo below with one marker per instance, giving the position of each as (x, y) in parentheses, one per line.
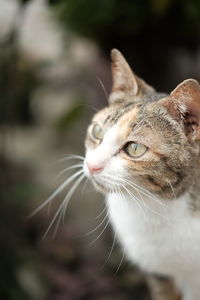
(143, 137)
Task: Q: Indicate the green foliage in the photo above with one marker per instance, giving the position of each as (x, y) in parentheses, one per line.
(17, 81)
(82, 12)
(16, 249)
(70, 117)
(150, 33)
(90, 17)
(100, 19)
(160, 7)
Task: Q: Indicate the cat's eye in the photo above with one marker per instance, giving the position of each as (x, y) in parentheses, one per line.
(97, 132)
(135, 150)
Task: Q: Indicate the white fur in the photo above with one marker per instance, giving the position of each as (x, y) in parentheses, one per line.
(166, 240)
(105, 151)
(104, 156)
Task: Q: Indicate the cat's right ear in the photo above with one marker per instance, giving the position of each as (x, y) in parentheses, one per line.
(126, 85)
(183, 104)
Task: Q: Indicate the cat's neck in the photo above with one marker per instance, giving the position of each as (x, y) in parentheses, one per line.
(148, 209)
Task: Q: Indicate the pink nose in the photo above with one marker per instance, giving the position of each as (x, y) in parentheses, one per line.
(94, 168)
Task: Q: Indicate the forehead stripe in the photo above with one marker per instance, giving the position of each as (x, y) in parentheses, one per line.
(107, 119)
(121, 111)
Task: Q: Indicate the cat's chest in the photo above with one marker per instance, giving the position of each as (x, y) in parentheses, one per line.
(158, 238)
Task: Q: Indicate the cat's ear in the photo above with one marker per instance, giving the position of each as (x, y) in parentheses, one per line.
(184, 104)
(125, 83)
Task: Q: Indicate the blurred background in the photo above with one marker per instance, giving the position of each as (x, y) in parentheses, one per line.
(54, 74)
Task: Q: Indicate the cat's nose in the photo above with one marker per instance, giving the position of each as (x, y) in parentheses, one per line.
(94, 168)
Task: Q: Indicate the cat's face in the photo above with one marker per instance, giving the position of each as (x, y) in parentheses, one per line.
(143, 137)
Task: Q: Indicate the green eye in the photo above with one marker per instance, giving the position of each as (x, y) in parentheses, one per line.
(135, 150)
(97, 132)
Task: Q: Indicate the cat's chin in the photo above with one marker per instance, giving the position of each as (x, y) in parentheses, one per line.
(99, 183)
(103, 188)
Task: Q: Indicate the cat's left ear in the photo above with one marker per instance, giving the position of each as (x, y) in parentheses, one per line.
(126, 85)
(184, 104)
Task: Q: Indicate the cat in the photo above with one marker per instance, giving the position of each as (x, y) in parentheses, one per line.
(142, 152)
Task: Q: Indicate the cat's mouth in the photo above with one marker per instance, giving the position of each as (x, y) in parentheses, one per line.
(102, 182)
(102, 185)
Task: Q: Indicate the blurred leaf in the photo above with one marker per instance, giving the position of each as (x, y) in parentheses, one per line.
(192, 10)
(113, 22)
(82, 13)
(70, 117)
(161, 7)
(17, 81)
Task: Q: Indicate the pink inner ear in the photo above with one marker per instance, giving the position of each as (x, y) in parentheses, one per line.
(191, 124)
(191, 119)
(172, 107)
(187, 95)
(194, 108)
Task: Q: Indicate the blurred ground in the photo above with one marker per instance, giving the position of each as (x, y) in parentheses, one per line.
(64, 267)
(65, 91)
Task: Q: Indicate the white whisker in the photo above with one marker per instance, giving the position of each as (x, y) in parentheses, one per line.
(133, 196)
(100, 233)
(84, 186)
(69, 157)
(136, 201)
(91, 106)
(102, 212)
(62, 205)
(119, 180)
(141, 189)
(120, 263)
(153, 198)
(173, 192)
(69, 168)
(71, 192)
(97, 227)
(150, 209)
(122, 197)
(111, 250)
(57, 191)
(66, 201)
(144, 191)
(103, 87)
